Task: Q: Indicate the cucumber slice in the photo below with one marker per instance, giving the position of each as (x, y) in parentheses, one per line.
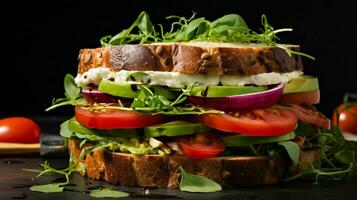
(240, 140)
(174, 128)
(118, 89)
(304, 83)
(222, 91)
(132, 90)
(76, 127)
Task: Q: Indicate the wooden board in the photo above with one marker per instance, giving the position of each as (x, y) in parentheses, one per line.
(18, 148)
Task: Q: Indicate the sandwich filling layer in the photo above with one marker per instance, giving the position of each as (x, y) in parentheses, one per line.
(180, 80)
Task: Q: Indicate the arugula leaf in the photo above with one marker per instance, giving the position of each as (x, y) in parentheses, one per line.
(225, 24)
(64, 131)
(229, 28)
(194, 183)
(292, 149)
(149, 102)
(108, 192)
(72, 93)
(48, 188)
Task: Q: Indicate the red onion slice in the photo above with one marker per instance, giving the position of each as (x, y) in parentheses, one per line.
(257, 100)
(95, 96)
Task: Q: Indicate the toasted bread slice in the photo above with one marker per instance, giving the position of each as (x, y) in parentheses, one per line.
(192, 58)
(156, 171)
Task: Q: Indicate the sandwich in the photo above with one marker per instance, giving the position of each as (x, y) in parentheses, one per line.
(209, 99)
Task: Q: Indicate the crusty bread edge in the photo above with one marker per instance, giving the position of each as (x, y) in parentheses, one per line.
(154, 171)
(191, 59)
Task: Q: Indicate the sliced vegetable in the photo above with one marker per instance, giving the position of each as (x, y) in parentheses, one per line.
(241, 140)
(263, 99)
(174, 128)
(311, 97)
(200, 146)
(76, 127)
(223, 91)
(114, 119)
(118, 89)
(258, 122)
(95, 96)
(131, 90)
(304, 83)
(309, 115)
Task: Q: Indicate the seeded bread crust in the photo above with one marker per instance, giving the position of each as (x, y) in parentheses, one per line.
(156, 171)
(192, 58)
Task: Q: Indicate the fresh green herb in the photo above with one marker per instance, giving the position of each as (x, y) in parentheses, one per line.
(64, 131)
(149, 102)
(338, 159)
(108, 192)
(48, 188)
(229, 28)
(293, 150)
(72, 93)
(194, 183)
(47, 169)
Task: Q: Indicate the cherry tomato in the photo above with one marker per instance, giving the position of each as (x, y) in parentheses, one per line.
(348, 117)
(19, 130)
(311, 97)
(258, 122)
(309, 115)
(112, 119)
(200, 145)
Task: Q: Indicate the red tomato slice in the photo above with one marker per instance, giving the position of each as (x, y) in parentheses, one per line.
(19, 130)
(258, 122)
(310, 116)
(311, 97)
(200, 146)
(112, 119)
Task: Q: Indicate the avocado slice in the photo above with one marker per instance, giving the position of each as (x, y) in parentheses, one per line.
(131, 90)
(222, 91)
(76, 127)
(174, 128)
(240, 140)
(304, 83)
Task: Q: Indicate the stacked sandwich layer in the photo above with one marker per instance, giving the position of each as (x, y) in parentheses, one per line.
(213, 99)
(178, 115)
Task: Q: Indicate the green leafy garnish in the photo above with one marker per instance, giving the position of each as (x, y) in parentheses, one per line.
(292, 149)
(230, 28)
(149, 102)
(48, 188)
(108, 192)
(72, 94)
(338, 159)
(194, 183)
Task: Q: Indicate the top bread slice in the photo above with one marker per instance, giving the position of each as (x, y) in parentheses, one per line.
(193, 58)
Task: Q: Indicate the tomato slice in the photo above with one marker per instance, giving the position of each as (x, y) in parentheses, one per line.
(311, 97)
(309, 115)
(112, 119)
(200, 146)
(258, 122)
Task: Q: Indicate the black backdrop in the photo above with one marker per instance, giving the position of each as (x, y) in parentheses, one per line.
(41, 41)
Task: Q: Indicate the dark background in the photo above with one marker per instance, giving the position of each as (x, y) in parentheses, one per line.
(41, 41)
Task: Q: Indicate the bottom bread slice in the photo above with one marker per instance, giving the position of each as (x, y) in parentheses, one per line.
(155, 171)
